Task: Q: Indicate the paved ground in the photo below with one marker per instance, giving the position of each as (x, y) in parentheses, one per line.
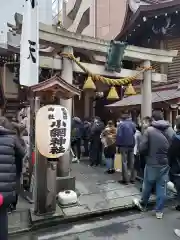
(98, 193)
(131, 225)
(84, 172)
(19, 219)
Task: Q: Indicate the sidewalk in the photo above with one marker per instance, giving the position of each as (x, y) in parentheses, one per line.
(99, 193)
(19, 220)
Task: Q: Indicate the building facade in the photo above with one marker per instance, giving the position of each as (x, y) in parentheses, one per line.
(99, 18)
(96, 18)
(10, 7)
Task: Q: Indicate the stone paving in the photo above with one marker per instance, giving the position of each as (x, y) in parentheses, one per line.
(19, 219)
(98, 193)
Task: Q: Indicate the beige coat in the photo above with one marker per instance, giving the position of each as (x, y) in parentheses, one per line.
(108, 136)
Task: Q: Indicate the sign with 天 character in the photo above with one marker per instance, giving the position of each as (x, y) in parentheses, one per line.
(52, 131)
(29, 47)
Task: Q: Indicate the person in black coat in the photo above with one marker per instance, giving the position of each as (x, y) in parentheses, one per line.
(11, 155)
(95, 142)
(76, 136)
(86, 137)
(174, 161)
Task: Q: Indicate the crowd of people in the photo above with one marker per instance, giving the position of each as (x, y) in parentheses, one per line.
(160, 158)
(149, 149)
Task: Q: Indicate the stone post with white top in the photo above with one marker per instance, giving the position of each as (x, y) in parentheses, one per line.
(64, 180)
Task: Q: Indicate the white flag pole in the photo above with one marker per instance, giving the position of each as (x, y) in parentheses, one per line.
(29, 49)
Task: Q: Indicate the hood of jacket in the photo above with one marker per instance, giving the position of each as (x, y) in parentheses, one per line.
(161, 124)
(4, 131)
(77, 120)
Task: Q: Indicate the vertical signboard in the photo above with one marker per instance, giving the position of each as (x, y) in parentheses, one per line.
(29, 48)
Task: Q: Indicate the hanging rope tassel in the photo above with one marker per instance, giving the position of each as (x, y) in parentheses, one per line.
(130, 90)
(112, 95)
(89, 84)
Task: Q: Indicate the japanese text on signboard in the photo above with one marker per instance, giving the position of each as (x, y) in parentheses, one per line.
(58, 131)
(32, 51)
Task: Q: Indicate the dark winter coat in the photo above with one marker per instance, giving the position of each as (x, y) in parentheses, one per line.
(125, 134)
(86, 130)
(174, 154)
(77, 129)
(155, 143)
(96, 130)
(11, 155)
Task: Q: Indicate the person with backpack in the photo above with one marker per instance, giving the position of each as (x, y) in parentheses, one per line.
(154, 146)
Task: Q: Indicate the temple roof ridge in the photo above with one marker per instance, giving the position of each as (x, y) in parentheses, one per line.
(135, 4)
(139, 11)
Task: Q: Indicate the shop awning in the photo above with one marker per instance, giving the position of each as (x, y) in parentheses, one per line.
(156, 97)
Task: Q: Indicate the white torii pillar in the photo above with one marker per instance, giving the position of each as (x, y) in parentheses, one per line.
(146, 92)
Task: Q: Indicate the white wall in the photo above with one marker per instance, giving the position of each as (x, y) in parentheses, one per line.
(10, 7)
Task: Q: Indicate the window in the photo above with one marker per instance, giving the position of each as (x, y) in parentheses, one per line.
(56, 10)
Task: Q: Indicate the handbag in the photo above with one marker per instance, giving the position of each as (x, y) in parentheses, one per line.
(118, 162)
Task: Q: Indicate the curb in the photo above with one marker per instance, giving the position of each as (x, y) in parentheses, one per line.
(51, 222)
(62, 220)
(20, 231)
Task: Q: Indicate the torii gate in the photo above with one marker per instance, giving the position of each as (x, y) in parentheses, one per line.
(58, 40)
(63, 41)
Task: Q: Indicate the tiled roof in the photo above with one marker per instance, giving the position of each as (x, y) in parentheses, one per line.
(58, 85)
(160, 96)
(146, 8)
(156, 1)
